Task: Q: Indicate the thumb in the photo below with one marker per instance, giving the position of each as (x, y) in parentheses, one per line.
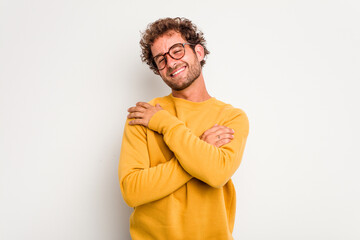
(158, 105)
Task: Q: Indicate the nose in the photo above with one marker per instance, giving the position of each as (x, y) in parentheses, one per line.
(170, 62)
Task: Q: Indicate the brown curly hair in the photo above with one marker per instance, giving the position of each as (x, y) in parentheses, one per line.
(154, 30)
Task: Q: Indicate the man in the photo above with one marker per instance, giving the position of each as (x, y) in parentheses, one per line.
(180, 151)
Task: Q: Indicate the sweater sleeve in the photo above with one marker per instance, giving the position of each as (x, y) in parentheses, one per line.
(208, 163)
(139, 182)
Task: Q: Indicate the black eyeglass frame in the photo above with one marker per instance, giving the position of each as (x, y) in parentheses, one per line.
(168, 53)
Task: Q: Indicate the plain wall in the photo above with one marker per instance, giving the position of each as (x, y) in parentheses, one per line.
(70, 69)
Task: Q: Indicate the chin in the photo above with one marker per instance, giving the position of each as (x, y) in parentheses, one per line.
(180, 87)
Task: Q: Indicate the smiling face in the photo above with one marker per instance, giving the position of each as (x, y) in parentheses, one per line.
(178, 74)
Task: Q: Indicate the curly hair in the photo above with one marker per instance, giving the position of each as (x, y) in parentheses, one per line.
(154, 30)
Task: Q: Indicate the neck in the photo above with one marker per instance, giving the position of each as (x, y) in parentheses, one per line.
(196, 92)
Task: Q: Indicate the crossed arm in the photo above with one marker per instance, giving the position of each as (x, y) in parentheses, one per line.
(141, 184)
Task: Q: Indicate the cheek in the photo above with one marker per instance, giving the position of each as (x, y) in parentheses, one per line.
(198, 57)
(162, 73)
(191, 58)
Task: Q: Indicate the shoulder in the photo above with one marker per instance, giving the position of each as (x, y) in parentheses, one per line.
(229, 109)
(163, 101)
(234, 115)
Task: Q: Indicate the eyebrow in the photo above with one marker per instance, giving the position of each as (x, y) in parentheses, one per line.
(160, 54)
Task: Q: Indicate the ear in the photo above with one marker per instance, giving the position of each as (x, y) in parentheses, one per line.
(199, 50)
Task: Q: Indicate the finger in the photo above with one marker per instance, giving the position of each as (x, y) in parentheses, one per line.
(220, 133)
(222, 142)
(136, 109)
(137, 122)
(218, 127)
(210, 135)
(144, 105)
(212, 129)
(135, 115)
(224, 136)
(225, 130)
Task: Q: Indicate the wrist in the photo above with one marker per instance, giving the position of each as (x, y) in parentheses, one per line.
(155, 119)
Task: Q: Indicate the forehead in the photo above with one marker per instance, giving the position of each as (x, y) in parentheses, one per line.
(162, 44)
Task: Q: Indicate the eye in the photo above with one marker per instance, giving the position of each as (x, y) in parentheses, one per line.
(159, 60)
(178, 51)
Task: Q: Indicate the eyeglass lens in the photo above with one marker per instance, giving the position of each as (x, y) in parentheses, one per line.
(177, 51)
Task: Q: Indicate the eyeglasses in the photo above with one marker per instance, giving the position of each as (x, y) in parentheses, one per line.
(176, 51)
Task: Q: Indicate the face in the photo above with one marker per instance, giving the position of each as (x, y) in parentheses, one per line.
(178, 74)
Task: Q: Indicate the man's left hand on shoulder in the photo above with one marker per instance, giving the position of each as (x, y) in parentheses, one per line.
(142, 113)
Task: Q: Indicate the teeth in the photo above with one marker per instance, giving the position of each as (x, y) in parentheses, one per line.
(180, 70)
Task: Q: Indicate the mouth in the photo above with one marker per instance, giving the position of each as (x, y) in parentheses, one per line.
(177, 72)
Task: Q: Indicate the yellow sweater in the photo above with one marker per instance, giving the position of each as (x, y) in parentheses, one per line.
(179, 185)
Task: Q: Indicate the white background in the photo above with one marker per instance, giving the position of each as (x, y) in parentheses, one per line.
(70, 69)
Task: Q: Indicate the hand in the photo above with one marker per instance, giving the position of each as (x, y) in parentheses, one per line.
(142, 113)
(218, 135)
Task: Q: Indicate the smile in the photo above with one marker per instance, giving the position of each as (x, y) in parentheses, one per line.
(178, 71)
